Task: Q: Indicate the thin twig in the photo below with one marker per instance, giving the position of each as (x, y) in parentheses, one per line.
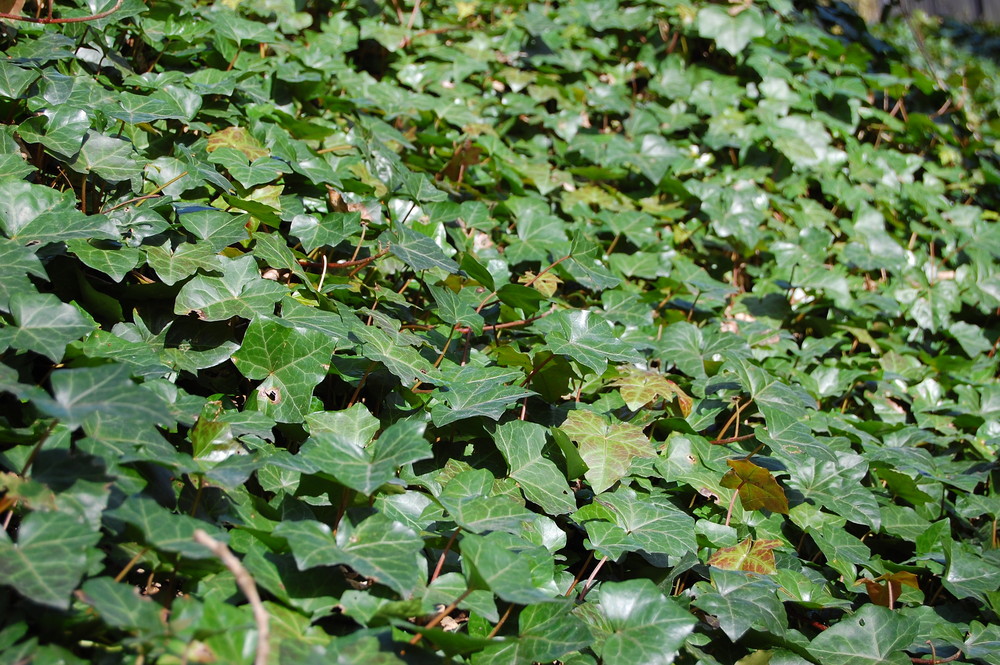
(247, 586)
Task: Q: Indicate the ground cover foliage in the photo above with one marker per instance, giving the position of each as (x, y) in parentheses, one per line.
(489, 332)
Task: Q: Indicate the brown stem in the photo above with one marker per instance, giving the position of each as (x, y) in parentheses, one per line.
(78, 19)
(579, 576)
(588, 585)
(444, 554)
(440, 617)
(500, 623)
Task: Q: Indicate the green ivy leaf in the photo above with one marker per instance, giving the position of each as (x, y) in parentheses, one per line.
(239, 292)
(43, 324)
(472, 391)
(521, 445)
(365, 466)
(730, 32)
(288, 361)
(376, 547)
(638, 522)
(873, 636)
(49, 558)
(33, 214)
(633, 622)
(585, 338)
(87, 395)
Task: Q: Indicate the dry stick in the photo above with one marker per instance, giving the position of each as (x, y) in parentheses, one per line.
(322, 277)
(247, 586)
(139, 199)
(128, 566)
(78, 19)
(590, 580)
(440, 617)
(444, 554)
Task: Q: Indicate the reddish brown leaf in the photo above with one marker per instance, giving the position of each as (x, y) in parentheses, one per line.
(756, 486)
(750, 555)
(885, 589)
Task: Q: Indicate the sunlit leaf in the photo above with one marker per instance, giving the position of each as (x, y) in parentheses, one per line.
(756, 486)
(607, 448)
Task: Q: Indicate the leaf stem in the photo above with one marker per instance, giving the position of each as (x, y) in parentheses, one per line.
(444, 554)
(589, 584)
(500, 623)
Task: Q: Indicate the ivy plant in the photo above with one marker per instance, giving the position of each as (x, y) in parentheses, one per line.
(497, 333)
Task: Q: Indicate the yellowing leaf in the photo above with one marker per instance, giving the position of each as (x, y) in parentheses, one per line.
(753, 556)
(756, 486)
(546, 284)
(608, 449)
(640, 387)
(239, 138)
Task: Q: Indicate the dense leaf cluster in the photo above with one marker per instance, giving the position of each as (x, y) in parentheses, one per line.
(490, 333)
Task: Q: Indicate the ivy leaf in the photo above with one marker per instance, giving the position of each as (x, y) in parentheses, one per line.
(110, 158)
(49, 558)
(512, 568)
(586, 339)
(633, 622)
(639, 522)
(417, 250)
(162, 529)
(752, 556)
(472, 391)
(608, 449)
(44, 324)
(640, 387)
(33, 214)
(521, 445)
(756, 486)
(837, 486)
(873, 636)
(363, 467)
(545, 633)
(730, 32)
(469, 500)
(86, 395)
(741, 601)
(121, 606)
(290, 362)
(239, 292)
(115, 262)
(16, 263)
(885, 589)
(376, 547)
(402, 361)
(173, 265)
